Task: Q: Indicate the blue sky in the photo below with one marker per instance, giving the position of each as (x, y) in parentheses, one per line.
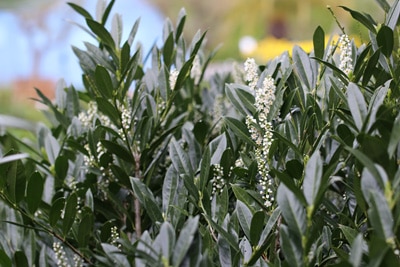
(58, 60)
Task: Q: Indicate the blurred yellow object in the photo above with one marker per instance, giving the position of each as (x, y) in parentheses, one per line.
(271, 47)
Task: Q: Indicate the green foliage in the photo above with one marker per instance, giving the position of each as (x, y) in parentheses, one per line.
(292, 163)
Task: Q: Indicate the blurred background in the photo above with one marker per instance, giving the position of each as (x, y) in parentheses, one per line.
(36, 35)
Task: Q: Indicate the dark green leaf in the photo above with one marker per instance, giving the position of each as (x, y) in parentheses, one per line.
(179, 158)
(56, 210)
(205, 169)
(71, 208)
(34, 191)
(241, 98)
(61, 167)
(80, 10)
(4, 259)
(118, 150)
(180, 24)
(153, 210)
(104, 82)
(349, 233)
(291, 247)
(256, 227)
(20, 259)
(223, 233)
(85, 229)
(244, 216)
(107, 12)
(293, 212)
(269, 226)
(101, 32)
(364, 19)
(385, 40)
(239, 128)
(243, 196)
(168, 50)
(319, 42)
(370, 69)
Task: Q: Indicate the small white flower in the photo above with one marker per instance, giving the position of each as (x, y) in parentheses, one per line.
(195, 72)
(346, 61)
(61, 258)
(251, 72)
(173, 76)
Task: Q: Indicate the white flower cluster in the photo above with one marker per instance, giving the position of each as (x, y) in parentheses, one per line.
(61, 258)
(218, 181)
(173, 76)
(114, 237)
(260, 128)
(88, 118)
(251, 72)
(195, 72)
(346, 61)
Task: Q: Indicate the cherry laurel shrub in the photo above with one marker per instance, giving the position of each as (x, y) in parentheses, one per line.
(156, 163)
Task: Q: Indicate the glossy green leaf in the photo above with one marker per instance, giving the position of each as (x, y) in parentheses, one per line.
(292, 211)
(224, 234)
(319, 42)
(179, 158)
(107, 12)
(364, 19)
(180, 24)
(169, 190)
(85, 229)
(166, 240)
(385, 40)
(116, 29)
(118, 150)
(13, 157)
(61, 167)
(272, 220)
(224, 252)
(184, 240)
(71, 208)
(80, 10)
(304, 68)
(241, 98)
(313, 185)
(101, 32)
(20, 259)
(393, 15)
(103, 82)
(205, 168)
(168, 50)
(384, 4)
(356, 251)
(243, 196)
(4, 259)
(371, 67)
(291, 246)
(381, 217)
(56, 211)
(256, 226)
(349, 233)
(239, 128)
(357, 105)
(34, 191)
(244, 216)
